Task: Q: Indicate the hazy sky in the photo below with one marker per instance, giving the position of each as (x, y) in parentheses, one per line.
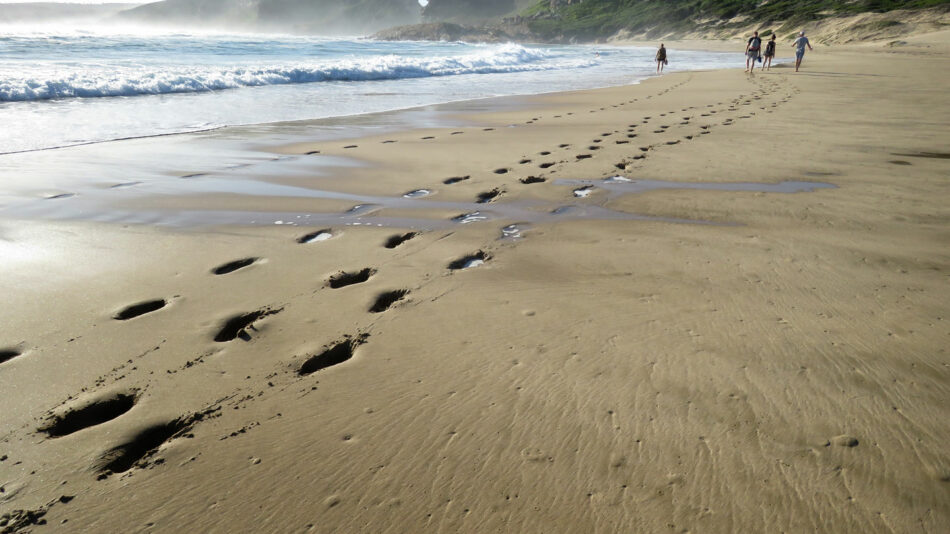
(78, 1)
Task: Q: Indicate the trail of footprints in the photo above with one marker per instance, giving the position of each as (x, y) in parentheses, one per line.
(143, 446)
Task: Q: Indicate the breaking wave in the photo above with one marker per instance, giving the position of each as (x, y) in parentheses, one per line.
(96, 81)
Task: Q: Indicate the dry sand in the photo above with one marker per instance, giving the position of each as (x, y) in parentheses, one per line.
(784, 369)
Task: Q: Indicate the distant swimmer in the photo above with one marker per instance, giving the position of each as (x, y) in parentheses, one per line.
(769, 53)
(800, 45)
(660, 59)
(752, 48)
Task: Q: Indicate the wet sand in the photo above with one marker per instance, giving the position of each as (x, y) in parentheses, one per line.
(640, 357)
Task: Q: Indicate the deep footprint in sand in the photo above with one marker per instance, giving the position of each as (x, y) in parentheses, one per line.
(232, 266)
(314, 237)
(455, 180)
(386, 300)
(343, 278)
(8, 354)
(470, 261)
(94, 413)
(237, 326)
(141, 308)
(396, 240)
(144, 444)
(335, 355)
(583, 156)
(532, 180)
(488, 196)
(501, 171)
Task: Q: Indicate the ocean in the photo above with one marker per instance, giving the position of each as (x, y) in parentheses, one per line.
(62, 88)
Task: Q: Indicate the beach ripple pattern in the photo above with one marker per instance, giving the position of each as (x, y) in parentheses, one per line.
(134, 80)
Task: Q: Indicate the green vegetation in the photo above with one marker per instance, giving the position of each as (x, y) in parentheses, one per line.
(591, 19)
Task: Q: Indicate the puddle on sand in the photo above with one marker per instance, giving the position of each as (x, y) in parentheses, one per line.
(467, 218)
(514, 231)
(583, 192)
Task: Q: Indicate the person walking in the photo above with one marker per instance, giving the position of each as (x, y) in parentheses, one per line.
(660, 59)
(752, 48)
(769, 53)
(800, 45)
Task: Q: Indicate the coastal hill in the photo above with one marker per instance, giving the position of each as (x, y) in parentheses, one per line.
(602, 20)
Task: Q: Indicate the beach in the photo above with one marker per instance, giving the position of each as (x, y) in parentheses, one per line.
(708, 302)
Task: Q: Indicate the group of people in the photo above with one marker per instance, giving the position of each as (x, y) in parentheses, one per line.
(753, 52)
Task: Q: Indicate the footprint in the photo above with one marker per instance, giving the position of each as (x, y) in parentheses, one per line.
(351, 146)
(236, 327)
(124, 185)
(335, 355)
(92, 414)
(547, 165)
(428, 137)
(388, 141)
(311, 153)
(621, 141)
(141, 308)
(594, 147)
(313, 237)
(385, 300)
(396, 240)
(144, 444)
(545, 153)
(563, 145)
(456, 133)
(230, 267)
(418, 193)
(8, 354)
(583, 156)
(455, 180)
(343, 278)
(631, 136)
(501, 171)
(61, 195)
(532, 180)
(470, 261)
(488, 196)
(524, 161)
(676, 142)
(197, 174)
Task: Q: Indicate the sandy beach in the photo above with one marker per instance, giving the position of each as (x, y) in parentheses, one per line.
(745, 332)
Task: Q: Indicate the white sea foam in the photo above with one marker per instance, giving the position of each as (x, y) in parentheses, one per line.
(116, 80)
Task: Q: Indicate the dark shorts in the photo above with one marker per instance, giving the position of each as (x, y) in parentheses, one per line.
(753, 54)
(800, 53)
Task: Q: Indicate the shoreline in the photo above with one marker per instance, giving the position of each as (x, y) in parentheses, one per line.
(782, 369)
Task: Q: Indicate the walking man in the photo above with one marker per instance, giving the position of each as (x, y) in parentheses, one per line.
(800, 45)
(660, 59)
(752, 48)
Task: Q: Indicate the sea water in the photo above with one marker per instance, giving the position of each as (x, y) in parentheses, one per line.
(69, 87)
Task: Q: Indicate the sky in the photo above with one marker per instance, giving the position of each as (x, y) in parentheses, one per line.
(78, 1)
